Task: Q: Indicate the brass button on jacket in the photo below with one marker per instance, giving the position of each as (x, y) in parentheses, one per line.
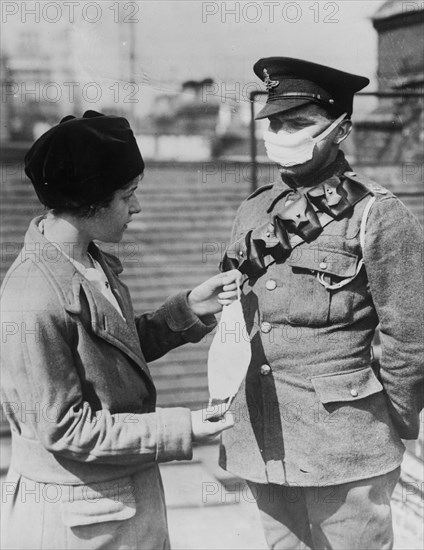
(266, 327)
(265, 370)
(271, 284)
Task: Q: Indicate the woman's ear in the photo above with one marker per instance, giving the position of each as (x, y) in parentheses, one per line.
(343, 131)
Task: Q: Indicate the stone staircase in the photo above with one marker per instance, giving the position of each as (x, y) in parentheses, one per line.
(175, 243)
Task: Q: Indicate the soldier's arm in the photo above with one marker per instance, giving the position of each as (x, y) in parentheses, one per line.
(393, 257)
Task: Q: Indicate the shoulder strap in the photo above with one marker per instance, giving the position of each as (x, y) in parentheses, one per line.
(364, 222)
(260, 190)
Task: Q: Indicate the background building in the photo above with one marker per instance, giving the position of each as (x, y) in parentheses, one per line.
(121, 56)
(394, 132)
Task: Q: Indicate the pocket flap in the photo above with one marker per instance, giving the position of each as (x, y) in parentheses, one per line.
(335, 262)
(346, 386)
(99, 502)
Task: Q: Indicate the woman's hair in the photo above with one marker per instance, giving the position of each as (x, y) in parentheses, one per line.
(84, 211)
(87, 211)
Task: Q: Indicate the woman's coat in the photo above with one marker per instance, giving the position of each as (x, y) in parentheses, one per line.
(80, 399)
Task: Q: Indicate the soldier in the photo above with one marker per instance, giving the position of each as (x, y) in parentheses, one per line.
(318, 425)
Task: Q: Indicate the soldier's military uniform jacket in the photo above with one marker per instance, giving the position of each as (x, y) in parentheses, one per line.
(314, 407)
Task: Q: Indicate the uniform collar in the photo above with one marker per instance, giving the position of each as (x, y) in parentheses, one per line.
(330, 174)
(336, 168)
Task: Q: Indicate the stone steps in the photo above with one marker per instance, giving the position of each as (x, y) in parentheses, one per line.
(175, 243)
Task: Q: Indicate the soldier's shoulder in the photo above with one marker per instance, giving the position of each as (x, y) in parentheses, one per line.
(375, 188)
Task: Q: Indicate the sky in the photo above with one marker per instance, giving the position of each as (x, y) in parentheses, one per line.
(191, 40)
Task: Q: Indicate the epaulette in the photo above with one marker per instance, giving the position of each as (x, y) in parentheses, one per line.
(259, 191)
(368, 182)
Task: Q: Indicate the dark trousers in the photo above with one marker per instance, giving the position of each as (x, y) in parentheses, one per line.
(350, 516)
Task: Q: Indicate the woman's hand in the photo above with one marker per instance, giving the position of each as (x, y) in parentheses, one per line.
(203, 430)
(218, 291)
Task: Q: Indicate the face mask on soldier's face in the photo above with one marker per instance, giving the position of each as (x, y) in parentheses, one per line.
(290, 149)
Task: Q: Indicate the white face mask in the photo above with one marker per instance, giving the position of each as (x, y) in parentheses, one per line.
(229, 354)
(289, 149)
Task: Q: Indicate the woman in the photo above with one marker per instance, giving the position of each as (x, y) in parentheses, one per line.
(86, 435)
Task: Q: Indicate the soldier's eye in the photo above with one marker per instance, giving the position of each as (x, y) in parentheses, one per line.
(275, 125)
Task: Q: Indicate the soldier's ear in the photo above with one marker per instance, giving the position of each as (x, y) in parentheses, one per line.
(342, 131)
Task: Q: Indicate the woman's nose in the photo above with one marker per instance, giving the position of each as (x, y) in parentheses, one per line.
(135, 207)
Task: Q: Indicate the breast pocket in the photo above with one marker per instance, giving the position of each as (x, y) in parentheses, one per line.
(312, 300)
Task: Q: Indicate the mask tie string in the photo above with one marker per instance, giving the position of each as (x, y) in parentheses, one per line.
(328, 130)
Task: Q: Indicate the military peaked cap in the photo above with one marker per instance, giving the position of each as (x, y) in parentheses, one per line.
(294, 82)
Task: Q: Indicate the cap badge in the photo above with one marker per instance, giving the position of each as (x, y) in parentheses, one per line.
(269, 84)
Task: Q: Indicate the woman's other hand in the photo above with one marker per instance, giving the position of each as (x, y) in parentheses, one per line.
(205, 430)
(220, 290)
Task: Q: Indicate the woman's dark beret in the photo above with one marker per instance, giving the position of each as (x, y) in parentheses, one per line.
(81, 161)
